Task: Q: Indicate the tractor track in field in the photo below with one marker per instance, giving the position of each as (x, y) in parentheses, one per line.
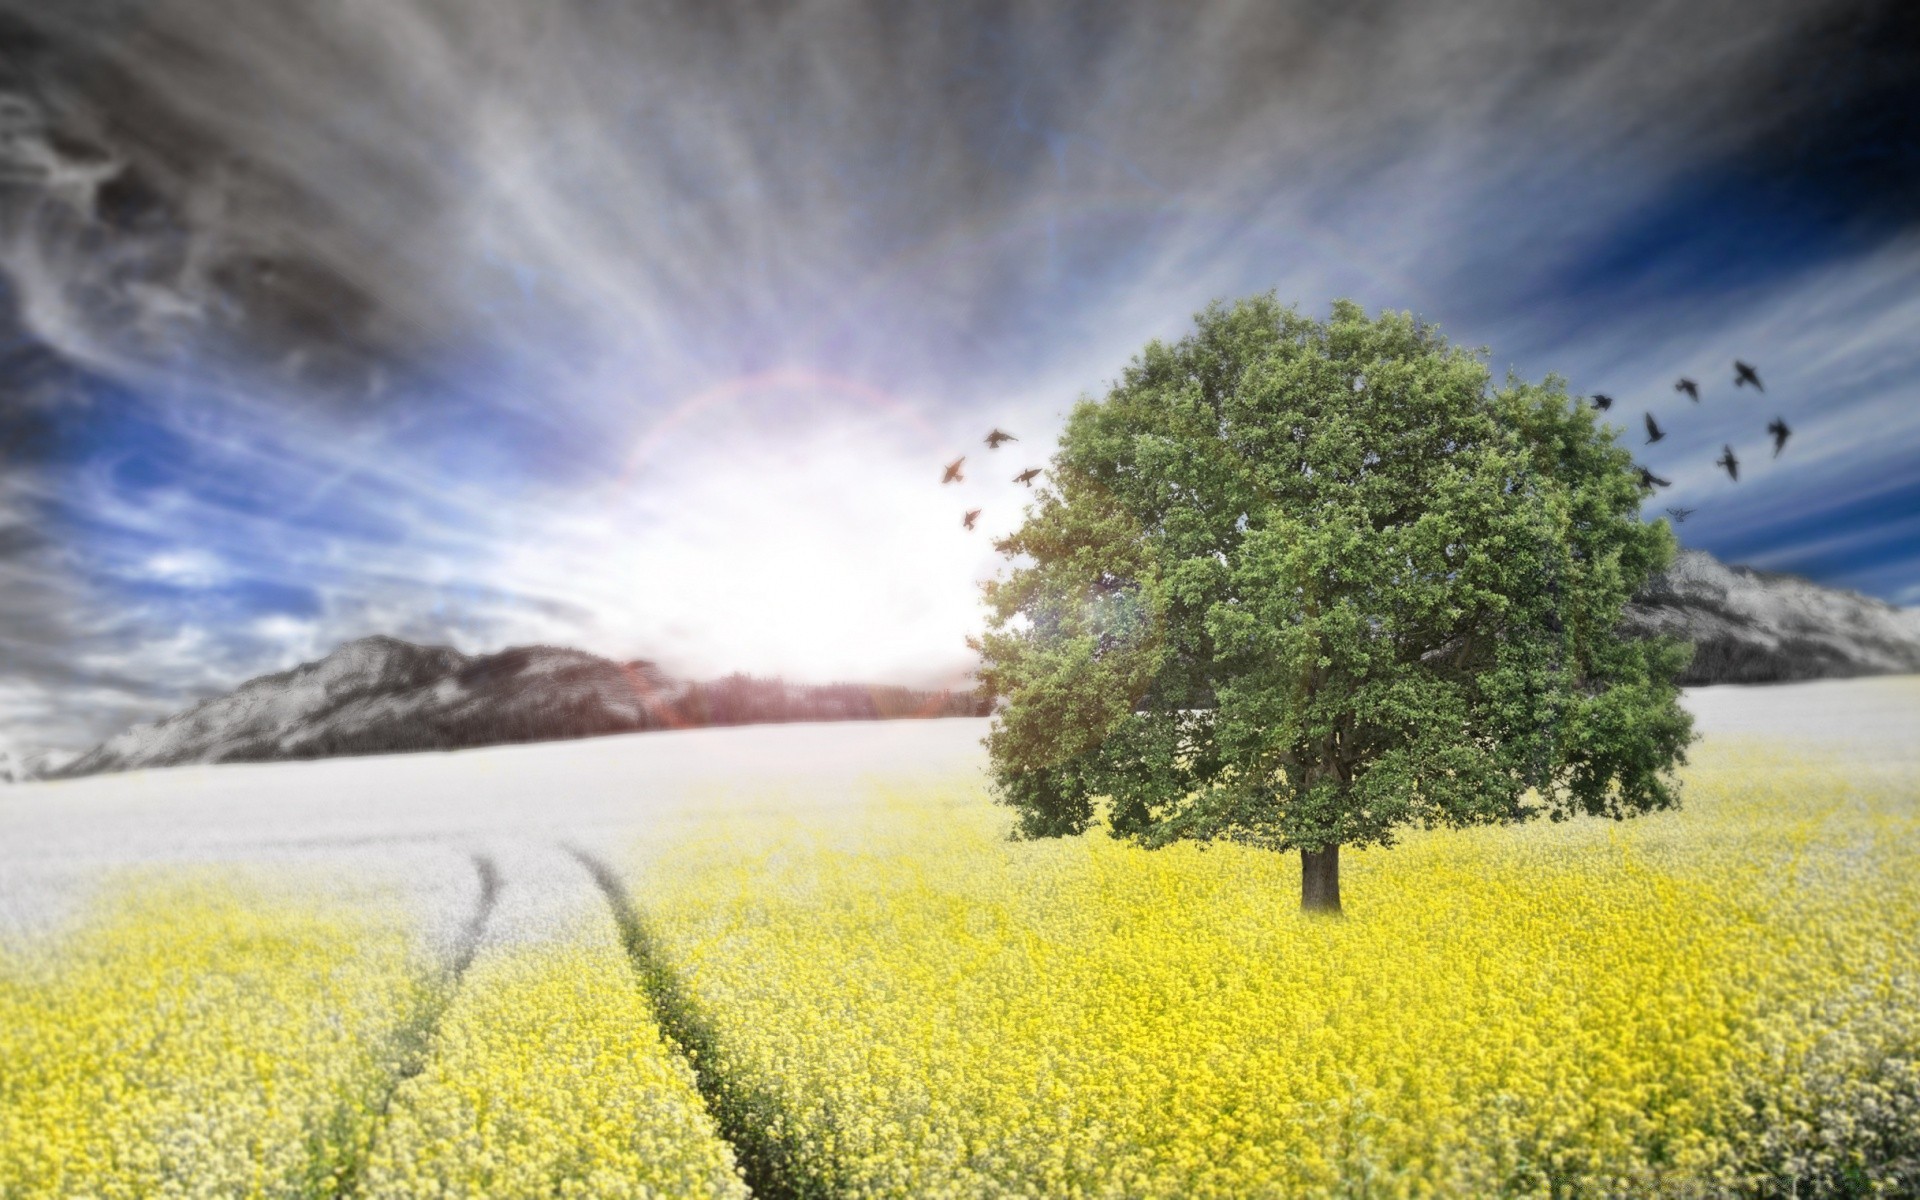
(743, 1109)
(415, 1039)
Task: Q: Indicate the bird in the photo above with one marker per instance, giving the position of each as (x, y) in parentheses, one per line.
(1603, 403)
(1691, 388)
(1653, 430)
(1728, 461)
(1650, 481)
(1027, 476)
(973, 514)
(953, 470)
(1781, 433)
(1679, 514)
(1744, 374)
(997, 436)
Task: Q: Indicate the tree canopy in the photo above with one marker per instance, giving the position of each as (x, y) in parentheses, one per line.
(1300, 584)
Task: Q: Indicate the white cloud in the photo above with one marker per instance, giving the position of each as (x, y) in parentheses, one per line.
(187, 567)
(758, 280)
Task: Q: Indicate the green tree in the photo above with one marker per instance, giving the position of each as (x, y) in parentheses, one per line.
(1299, 584)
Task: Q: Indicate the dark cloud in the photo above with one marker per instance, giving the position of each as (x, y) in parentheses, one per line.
(396, 315)
(325, 187)
(1848, 141)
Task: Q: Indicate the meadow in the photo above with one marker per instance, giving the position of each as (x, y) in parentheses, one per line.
(882, 996)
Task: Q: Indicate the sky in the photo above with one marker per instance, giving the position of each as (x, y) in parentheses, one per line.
(647, 328)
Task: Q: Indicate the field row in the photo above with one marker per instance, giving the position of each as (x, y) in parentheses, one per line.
(220, 1036)
(1718, 1001)
(899, 1002)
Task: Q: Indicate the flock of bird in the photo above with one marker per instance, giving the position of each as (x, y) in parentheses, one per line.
(1744, 375)
(994, 440)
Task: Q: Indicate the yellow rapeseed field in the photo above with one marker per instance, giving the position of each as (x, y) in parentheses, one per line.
(891, 999)
(200, 1037)
(549, 1078)
(1717, 1001)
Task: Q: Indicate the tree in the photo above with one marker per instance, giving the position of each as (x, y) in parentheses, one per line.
(1300, 584)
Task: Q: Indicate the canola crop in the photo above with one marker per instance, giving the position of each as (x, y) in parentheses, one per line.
(200, 1037)
(549, 1078)
(1717, 1001)
(897, 1001)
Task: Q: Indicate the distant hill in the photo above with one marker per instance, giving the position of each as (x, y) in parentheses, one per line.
(1751, 626)
(381, 695)
(24, 767)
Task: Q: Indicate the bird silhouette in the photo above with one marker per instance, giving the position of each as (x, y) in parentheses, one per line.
(1744, 374)
(1691, 388)
(1603, 403)
(953, 470)
(1650, 481)
(1728, 461)
(1679, 514)
(1027, 476)
(1653, 430)
(973, 514)
(997, 436)
(1781, 433)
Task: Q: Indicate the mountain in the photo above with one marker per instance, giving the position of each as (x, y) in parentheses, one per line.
(18, 766)
(382, 695)
(1751, 626)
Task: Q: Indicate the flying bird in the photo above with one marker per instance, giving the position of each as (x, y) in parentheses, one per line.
(1653, 430)
(973, 514)
(1744, 374)
(1027, 476)
(1603, 403)
(1650, 481)
(953, 470)
(1781, 433)
(997, 436)
(1679, 514)
(1691, 388)
(1728, 461)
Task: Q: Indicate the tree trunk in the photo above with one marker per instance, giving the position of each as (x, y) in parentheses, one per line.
(1320, 880)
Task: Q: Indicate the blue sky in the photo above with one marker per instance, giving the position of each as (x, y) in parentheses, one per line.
(647, 329)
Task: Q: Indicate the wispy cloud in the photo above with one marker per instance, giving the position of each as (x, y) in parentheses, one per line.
(647, 328)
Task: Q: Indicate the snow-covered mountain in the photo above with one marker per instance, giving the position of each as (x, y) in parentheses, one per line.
(383, 695)
(23, 766)
(1751, 626)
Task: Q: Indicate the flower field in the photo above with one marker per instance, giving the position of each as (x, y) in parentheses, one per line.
(550, 1078)
(202, 1037)
(887, 998)
(1718, 1001)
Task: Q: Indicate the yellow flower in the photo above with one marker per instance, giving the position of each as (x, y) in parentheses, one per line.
(549, 1077)
(199, 1037)
(936, 1011)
